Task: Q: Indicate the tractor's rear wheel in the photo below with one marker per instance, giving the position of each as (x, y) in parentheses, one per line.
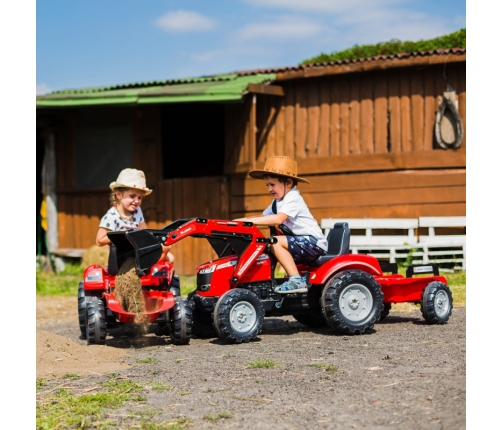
(180, 316)
(238, 316)
(81, 310)
(437, 303)
(352, 301)
(385, 311)
(313, 319)
(95, 321)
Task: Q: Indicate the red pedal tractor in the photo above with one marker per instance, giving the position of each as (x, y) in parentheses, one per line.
(235, 292)
(98, 308)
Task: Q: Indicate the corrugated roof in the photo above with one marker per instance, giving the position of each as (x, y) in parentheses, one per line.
(223, 87)
(229, 87)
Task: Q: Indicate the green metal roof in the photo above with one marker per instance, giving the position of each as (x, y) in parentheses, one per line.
(229, 87)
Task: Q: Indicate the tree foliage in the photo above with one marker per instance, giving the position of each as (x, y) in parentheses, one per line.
(457, 39)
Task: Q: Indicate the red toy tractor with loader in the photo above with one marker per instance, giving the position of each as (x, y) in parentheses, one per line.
(235, 292)
(98, 307)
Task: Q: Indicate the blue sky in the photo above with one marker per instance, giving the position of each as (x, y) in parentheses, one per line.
(93, 43)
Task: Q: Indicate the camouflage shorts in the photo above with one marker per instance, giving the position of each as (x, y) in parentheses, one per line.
(304, 248)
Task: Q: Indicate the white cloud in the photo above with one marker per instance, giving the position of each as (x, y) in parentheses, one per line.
(284, 28)
(184, 21)
(43, 89)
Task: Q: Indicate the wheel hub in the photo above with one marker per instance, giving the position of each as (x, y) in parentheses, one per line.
(356, 302)
(441, 303)
(243, 317)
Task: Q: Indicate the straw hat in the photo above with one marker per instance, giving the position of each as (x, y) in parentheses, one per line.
(278, 165)
(131, 178)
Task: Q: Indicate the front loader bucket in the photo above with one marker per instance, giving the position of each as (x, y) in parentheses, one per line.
(140, 244)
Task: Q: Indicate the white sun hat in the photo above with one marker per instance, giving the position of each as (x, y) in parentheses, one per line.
(131, 178)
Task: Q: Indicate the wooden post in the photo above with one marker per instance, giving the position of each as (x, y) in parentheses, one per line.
(252, 129)
(49, 190)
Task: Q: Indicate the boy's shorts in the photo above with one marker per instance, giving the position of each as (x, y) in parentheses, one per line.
(304, 248)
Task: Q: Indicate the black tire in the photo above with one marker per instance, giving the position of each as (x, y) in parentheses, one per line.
(385, 311)
(202, 323)
(96, 321)
(345, 298)
(81, 310)
(313, 319)
(180, 316)
(437, 303)
(242, 304)
(163, 328)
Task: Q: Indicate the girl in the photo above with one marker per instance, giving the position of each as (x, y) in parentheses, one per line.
(303, 240)
(125, 214)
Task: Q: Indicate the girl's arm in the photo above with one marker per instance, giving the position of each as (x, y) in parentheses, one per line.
(102, 238)
(270, 220)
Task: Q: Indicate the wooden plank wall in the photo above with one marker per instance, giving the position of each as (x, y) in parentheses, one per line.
(371, 112)
(393, 194)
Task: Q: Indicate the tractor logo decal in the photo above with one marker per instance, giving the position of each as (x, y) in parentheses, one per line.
(185, 231)
(230, 263)
(247, 263)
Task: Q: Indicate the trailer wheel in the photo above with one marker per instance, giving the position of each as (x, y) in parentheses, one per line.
(180, 316)
(313, 319)
(238, 316)
(95, 321)
(385, 311)
(81, 310)
(352, 302)
(437, 303)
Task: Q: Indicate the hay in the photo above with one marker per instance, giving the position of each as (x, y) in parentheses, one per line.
(96, 255)
(128, 289)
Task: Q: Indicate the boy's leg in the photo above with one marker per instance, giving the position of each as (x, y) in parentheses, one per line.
(282, 254)
(295, 284)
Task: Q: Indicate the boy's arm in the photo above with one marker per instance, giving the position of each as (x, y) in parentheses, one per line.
(270, 220)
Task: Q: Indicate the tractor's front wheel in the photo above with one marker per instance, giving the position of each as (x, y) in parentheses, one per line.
(95, 321)
(81, 309)
(238, 316)
(180, 316)
(437, 303)
(352, 301)
(202, 322)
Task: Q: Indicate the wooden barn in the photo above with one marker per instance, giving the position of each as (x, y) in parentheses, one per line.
(364, 132)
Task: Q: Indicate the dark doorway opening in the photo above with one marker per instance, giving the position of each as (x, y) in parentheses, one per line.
(193, 140)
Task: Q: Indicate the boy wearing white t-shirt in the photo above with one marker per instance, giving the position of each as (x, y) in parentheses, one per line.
(303, 240)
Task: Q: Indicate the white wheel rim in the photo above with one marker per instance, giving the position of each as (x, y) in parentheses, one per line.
(441, 303)
(356, 302)
(243, 317)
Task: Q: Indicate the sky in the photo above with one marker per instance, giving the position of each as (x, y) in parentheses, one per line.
(93, 43)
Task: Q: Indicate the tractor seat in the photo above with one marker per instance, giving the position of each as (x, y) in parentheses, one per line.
(338, 244)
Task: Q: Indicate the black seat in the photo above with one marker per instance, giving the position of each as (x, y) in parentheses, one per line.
(112, 268)
(338, 243)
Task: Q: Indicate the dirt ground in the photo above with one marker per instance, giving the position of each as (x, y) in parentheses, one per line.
(404, 375)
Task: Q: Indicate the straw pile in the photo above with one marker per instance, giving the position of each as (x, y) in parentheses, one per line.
(128, 289)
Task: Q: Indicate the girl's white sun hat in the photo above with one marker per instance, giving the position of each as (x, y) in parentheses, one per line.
(131, 178)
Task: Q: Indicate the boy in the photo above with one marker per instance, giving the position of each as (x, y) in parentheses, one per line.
(304, 240)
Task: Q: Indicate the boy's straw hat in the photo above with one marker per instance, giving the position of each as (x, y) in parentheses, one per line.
(131, 178)
(278, 165)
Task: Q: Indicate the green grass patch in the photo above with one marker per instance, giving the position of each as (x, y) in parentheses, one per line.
(327, 367)
(64, 283)
(63, 409)
(70, 376)
(184, 393)
(158, 386)
(218, 416)
(457, 39)
(188, 284)
(41, 383)
(148, 360)
(257, 364)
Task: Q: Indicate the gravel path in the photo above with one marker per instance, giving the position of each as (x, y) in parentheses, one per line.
(404, 375)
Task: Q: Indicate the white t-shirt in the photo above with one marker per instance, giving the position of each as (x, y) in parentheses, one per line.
(300, 220)
(112, 220)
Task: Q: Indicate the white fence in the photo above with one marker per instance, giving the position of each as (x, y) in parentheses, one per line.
(428, 248)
